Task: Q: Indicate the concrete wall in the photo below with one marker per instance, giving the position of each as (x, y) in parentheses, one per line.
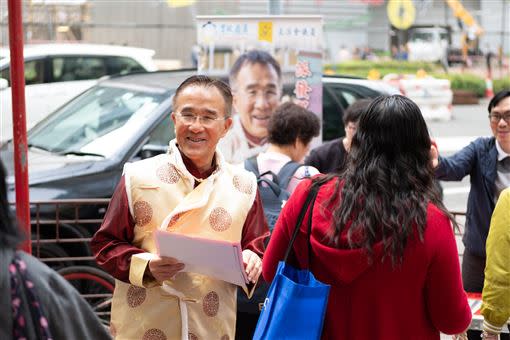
(495, 20)
(151, 24)
(171, 31)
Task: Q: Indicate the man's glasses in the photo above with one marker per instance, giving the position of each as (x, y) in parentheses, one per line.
(205, 121)
(496, 117)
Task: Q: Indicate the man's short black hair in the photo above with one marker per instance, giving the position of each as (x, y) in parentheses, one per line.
(290, 122)
(205, 81)
(351, 115)
(254, 57)
(497, 98)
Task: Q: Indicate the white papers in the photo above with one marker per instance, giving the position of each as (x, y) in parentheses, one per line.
(219, 259)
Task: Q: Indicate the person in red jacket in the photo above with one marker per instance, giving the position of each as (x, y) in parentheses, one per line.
(380, 235)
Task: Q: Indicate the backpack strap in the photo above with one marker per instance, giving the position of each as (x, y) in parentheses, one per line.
(251, 165)
(286, 172)
(272, 185)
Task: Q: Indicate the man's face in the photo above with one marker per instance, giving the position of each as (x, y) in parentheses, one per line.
(257, 92)
(196, 140)
(501, 129)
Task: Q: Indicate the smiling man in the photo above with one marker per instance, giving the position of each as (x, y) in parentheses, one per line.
(255, 79)
(487, 161)
(191, 190)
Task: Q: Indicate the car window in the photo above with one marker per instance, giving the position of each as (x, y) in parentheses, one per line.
(346, 94)
(34, 72)
(98, 122)
(163, 133)
(158, 139)
(78, 68)
(332, 113)
(123, 65)
(6, 74)
(349, 97)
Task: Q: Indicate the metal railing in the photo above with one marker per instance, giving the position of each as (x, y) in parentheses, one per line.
(62, 229)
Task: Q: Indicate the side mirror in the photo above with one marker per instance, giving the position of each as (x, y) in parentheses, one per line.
(151, 150)
(3, 83)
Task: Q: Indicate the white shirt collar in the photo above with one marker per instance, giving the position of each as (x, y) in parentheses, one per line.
(501, 153)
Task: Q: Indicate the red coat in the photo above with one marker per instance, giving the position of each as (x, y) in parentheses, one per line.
(417, 300)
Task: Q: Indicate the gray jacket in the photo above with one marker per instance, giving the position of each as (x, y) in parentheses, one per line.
(69, 316)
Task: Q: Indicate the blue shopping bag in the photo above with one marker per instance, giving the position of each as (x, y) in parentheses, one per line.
(296, 302)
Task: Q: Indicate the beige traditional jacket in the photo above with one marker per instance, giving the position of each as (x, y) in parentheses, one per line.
(161, 194)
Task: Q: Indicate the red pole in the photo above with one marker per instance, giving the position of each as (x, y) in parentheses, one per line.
(19, 123)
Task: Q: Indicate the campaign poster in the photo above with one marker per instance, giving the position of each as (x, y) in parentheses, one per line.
(296, 42)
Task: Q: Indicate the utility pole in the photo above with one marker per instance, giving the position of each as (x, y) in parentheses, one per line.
(19, 123)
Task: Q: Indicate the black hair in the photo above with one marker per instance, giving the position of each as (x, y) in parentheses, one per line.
(205, 81)
(253, 57)
(351, 115)
(388, 181)
(291, 122)
(10, 235)
(497, 98)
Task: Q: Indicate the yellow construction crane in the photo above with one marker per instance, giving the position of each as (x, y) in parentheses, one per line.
(473, 31)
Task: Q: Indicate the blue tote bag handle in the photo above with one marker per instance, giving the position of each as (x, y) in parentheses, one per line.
(309, 202)
(296, 302)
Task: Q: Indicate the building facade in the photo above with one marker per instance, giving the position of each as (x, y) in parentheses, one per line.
(171, 31)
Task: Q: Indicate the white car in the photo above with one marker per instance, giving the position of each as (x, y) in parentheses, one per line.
(432, 95)
(55, 73)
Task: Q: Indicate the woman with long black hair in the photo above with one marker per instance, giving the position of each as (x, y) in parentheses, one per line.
(37, 303)
(380, 235)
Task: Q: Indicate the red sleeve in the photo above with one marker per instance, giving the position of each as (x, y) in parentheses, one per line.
(446, 300)
(111, 244)
(255, 229)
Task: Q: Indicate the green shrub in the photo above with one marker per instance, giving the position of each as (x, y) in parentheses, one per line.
(464, 81)
(501, 84)
(361, 68)
(468, 82)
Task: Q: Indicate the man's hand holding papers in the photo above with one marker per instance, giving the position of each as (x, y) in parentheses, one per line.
(221, 259)
(164, 268)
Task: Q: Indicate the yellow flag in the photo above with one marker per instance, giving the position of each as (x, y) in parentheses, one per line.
(180, 3)
(266, 31)
(421, 73)
(374, 74)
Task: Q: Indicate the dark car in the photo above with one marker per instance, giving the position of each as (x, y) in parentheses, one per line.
(79, 151)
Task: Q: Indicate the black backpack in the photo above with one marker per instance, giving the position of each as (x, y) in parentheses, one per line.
(273, 196)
